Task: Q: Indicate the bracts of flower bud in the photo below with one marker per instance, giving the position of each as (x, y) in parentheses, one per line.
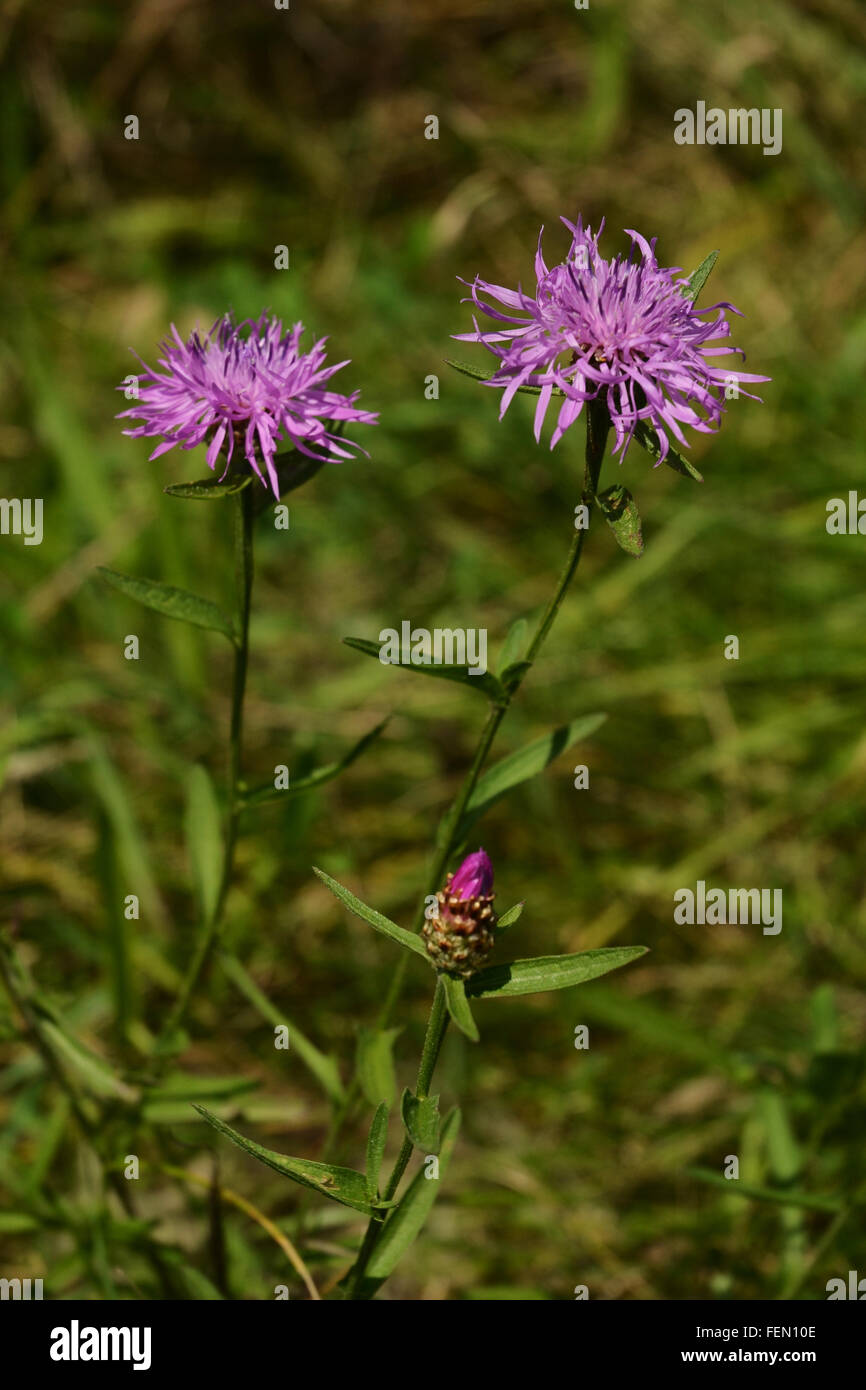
(459, 934)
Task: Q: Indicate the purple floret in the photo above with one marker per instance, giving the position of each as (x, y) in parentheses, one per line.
(253, 390)
(621, 328)
(474, 878)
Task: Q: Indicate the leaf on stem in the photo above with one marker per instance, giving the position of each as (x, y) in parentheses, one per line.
(421, 1118)
(541, 973)
(376, 1140)
(374, 1063)
(373, 918)
(323, 1067)
(482, 374)
(699, 277)
(342, 1185)
(619, 510)
(261, 796)
(209, 489)
(526, 762)
(485, 683)
(458, 1006)
(202, 827)
(171, 602)
(510, 917)
(647, 438)
(404, 1225)
(513, 647)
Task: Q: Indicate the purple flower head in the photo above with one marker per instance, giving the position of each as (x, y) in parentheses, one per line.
(474, 878)
(621, 328)
(247, 390)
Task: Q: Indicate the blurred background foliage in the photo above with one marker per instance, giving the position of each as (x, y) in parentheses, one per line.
(261, 127)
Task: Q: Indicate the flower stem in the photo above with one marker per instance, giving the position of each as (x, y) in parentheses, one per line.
(597, 427)
(437, 1025)
(243, 531)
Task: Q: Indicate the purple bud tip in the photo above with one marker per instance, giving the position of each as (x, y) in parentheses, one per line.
(474, 878)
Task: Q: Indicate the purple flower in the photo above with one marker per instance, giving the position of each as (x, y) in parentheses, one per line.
(459, 934)
(250, 391)
(623, 329)
(474, 878)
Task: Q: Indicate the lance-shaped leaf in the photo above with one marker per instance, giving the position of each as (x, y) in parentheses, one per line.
(484, 682)
(376, 1140)
(374, 1063)
(371, 917)
(260, 796)
(343, 1185)
(526, 762)
(484, 374)
(782, 1196)
(94, 1073)
(542, 973)
(171, 602)
(168, 1103)
(510, 917)
(403, 1225)
(619, 510)
(513, 647)
(421, 1118)
(324, 1068)
(699, 277)
(204, 840)
(647, 438)
(458, 1006)
(209, 489)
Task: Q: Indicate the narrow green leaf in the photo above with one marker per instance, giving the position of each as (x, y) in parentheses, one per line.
(541, 973)
(513, 647)
(786, 1197)
(619, 510)
(510, 917)
(526, 762)
(404, 1225)
(699, 277)
(374, 1062)
(376, 1141)
(204, 840)
(513, 675)
(484, 374)
(94, 1073)
(371, 917)
(171, 602)
(182, 1086)
(485, 683)
(458, 1006)
(647, 438)
(421, 1118)
(209, 489)
(321, 1066)
(342, 1185)
(269, 793)
(477, 373)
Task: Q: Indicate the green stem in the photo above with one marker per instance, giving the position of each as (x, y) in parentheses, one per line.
(437, 1025)
(597, 427)
(244, 519)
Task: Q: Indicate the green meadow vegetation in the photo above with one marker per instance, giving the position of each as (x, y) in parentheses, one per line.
(600, 1166)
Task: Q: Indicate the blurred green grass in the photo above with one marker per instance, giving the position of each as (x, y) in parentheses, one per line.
(306, 129)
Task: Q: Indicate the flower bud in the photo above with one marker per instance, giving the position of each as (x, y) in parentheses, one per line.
(459, 936)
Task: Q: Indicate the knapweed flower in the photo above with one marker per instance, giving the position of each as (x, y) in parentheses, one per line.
(249, 387)
(621, 328)
(459, 935)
